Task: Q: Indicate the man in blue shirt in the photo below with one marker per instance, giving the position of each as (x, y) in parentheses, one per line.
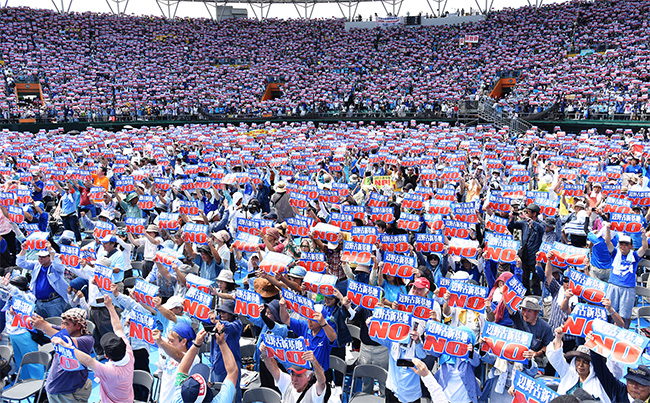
(69, 204)
(233, 328)
(37, 183)
(601, 258)
(319, 334)
(48, 282)
(622, 278)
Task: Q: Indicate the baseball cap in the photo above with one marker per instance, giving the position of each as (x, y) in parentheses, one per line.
(109, 238)
(174, 302)
(624, 238)
(422, 282)
(114, 347)
(640, 375)
(43, 253)
(195, 389)
(533, 207)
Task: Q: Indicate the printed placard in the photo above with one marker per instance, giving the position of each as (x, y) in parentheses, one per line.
(189, 207)
(194, 281)
(565, 255)
(434, 222)
(144, 292)
(502, 249)
(65, 355)
(326, 232)
(497, 224)
(467, 296)
(395, 243)
(168, 221)
(141, 326)
(358, 212)
(36, 241)
(465, 212)
(312, 261)
(16, 214)
(70, 256)
(23, 311)
(498, 203)
(167, 257)
(506, 342)
(365, 295)
(103, 278)
(248, 303)
(413, 201)
(246, 242)
(547, 207)
(385, 214)
(441, 338)
(125, 185)
(102, 229)
(630, 223)
(320, 283)
(456, 229)
(514, 293)
(287, 351)
(442, 207)
(420, 307)
(589, 288)
(639, 197)
(577, 190)
(341, 220)
(582, 315)
(248, 226)
(197, 304)
(409, 222)
(146, 202)
(135, 226)
(274, 263)
(429, 243)
(618, 344)
(356, 253)
(298, 303)
(617, 205)
(463, 247)
(195, 233)
(390, 324)
(399, 265)
(297, 227)
(528, 390)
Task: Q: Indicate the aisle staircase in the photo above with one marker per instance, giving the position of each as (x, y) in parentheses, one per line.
(488, 114)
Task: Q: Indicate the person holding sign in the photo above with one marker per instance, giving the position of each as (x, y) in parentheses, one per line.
(622, 279)
(301, 384)
(232, 328)
(526, 319)
(116, 376)
(63, 386)
(319, 333)
(561, 298)
(48, 283)
(191, 386)
(68, 205)
(578, 374)
(532, 232)
(18, 302)
(151, 241)
(637, 386)
(179, 340)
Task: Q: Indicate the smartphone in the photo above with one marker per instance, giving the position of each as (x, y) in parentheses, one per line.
(100, 300)
(405, 363)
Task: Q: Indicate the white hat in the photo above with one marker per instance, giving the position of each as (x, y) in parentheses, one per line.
(624, 238)
(68, 235)
(174, 302)
(226, 276)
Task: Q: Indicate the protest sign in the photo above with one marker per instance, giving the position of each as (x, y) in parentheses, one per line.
(506, 342)
(589, 288)
(274, 263)
(356, 253)
(287, 351)
(198, 304)
(319, 283)
(103, 278)
(141, 326)
(514, 293)
(135, 226)
(463, 247)
(201, 283)
(248, 303)
(144, 292)
(390, 324)
(245, 242)
(502, 249)
(528, 390)
(467, 296)
(298, 303)
(612, 342)
(70, 256)
(36, 241)
(365, 295)
(630, 223)
(23, 311)
(420, 307)
(65, 355)
(441, 338)
(398, 265)
(565, 255)
(429, 243)
(312, 261)
(582, 316)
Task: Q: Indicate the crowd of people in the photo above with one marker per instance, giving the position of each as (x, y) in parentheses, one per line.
(98, 67)
(292, 236)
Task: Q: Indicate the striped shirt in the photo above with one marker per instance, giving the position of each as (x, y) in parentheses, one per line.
(557, 316)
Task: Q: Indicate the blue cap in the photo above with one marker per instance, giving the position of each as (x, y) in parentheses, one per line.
(109, 238)
(298, 271)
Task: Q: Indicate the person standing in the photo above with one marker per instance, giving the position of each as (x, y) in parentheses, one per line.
(532, 232)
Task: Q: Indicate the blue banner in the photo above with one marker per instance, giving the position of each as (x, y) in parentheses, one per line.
(528, 390)
(197, 304)
(506, 342)
(420, 307)
(390, 324)
(364, 295)
(66, 355)
(286, 351)
(141, 326)
(441, 338)
(582, 315)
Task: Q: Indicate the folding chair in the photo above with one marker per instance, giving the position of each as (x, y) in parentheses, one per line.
(136, 266)
(642, 312)
(264, 395)
(24, 389)
(144, 379)
(54, 320)
(367, 371)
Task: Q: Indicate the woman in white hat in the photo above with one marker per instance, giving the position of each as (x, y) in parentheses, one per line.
(225, 287)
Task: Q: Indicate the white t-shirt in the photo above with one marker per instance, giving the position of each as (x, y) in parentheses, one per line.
(169, 370)
(150, 248)
(291, 395)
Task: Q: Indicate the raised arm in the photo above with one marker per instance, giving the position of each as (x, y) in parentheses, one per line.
(284, 315)
(188, 358)
(644, 245)
(329, 330)
(607, 236)
(83, 358)
(115, 319)
(164, 311)
(232, 369)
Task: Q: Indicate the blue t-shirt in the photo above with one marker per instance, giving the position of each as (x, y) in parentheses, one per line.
(38, 196)
(319, 344)
(600, 256)
(623, 272)
(42, 288)
(634, 169)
